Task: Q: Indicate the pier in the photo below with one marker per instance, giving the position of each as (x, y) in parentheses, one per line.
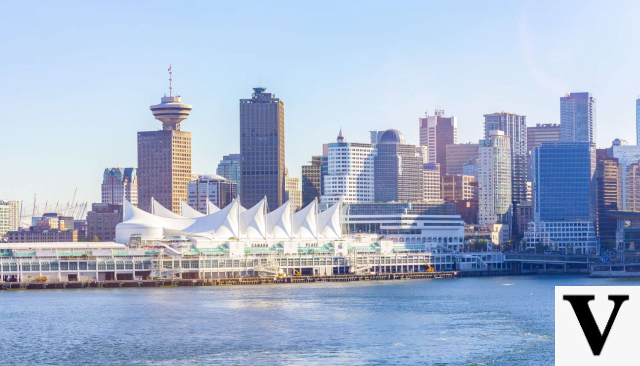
(226, 281)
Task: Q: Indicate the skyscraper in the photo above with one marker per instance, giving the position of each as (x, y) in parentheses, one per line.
(458, 155)
(398, 169)
(9, 216)
(164, 156)
(312, 180)
(638, 121)
(607, 195)
(494, 181)
(578, 118)
(564, 188)
(262, 149)
(514, 126)
(626, 155)
(436, 132)
(119, 184)
(211, 188)
(292, 191)
(349, 172)
(229, 167)
(431, 182)
(542, 132)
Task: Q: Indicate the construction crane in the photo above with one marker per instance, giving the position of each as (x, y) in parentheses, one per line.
(429, 268)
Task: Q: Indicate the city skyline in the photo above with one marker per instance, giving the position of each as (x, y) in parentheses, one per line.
(103, 98)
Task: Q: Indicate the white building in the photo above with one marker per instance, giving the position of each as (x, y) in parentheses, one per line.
(350, 176)
(570, 237)
(211, 188)
(292, 191)
(494, 181)
(431, 182)
(9, 216)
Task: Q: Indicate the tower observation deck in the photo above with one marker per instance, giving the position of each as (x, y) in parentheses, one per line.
(171, 111)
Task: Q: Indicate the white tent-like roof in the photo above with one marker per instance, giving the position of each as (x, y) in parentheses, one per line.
(305, 222)
(279, 222)
(329, 222)
(188, 211)
(159, 210)
(253, 223)
(232, 221)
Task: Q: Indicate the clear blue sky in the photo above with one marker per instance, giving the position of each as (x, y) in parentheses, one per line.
(77, 78)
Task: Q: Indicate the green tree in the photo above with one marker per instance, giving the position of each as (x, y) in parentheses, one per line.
(95, 238)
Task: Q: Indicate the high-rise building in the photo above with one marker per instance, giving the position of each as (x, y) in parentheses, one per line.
(638, 121)
(564, 186)
(211, 188)
(312, 180)
(494, 180)
(398, 169)
(542, 132)
(607, 195)
(632, 183)
(119, 184)
(626, 155)
(436, 132)
(164, 156)
(349, 172)
(292, 191)
(514, 126)
(459, 188)
(9, 216)
(102, 221)
(578, 118)
(374, 136)
(229, 168)
(431, 182)
(262, 149)
(458, 155)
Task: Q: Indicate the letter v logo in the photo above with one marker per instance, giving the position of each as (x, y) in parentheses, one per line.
(580, 304)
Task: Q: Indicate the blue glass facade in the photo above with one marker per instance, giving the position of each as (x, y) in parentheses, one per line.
(564, 186)
(578, 118)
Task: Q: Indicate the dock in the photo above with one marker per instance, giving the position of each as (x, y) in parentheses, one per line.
(226, 281)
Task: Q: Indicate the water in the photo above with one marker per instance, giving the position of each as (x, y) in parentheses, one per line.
(468, 321)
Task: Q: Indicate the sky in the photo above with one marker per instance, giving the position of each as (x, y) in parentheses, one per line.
(77, 78)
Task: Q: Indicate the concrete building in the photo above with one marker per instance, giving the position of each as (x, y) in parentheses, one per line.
(608, 195)
(42, 236)
(398, 169)
(514, 126)
(459, 155)
(349, 172)
(164, 156)
(229, 168)
(468, 211)
(102, 221)
(9, 216)
(542, 132)
(578, 118)
(524, 216)
(632, 187)
(312, 180)
(459, 188)
(570, 237)
(120, 184)
(211, 188)
(292, 192)
(436, 132)
(262, 148)
(494, 182)
(431, 182)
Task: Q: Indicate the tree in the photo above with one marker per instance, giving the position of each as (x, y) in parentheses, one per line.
(95, 238)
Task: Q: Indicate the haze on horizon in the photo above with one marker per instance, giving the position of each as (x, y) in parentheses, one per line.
(78, 78)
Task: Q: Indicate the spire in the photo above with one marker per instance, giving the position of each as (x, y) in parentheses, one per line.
(340, 136)
(170, 81)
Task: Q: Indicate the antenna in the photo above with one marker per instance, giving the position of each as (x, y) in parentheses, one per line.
(170, 81)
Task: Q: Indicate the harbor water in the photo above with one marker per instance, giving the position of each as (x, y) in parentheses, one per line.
(465, 321)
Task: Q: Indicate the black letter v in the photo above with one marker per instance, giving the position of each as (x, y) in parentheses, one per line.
(580, 304)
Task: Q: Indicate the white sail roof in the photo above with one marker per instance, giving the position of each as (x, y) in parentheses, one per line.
(188, 211)
(279, 222)
(211, 208)
(159, 210)
(305, 222)
(329, 222)
(222, 224)
(253, 223)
